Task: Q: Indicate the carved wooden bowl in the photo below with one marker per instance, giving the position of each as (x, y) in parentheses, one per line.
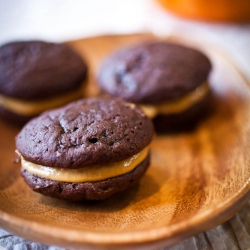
(197, 179)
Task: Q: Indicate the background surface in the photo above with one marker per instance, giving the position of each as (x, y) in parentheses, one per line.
(62, 20)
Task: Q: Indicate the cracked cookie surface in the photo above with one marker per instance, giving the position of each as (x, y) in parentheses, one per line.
(85, 133)
(153, 72)
(35, 70)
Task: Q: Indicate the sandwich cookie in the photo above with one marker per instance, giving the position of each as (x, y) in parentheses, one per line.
(87, 150)
(169, 81)
(36, 76)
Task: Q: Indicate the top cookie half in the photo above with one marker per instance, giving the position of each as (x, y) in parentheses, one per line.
(36, 70)
(85, 133)
(153, 72)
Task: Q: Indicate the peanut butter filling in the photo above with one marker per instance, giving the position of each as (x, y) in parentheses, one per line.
(177, 106)
(30, 108)
(91, 173)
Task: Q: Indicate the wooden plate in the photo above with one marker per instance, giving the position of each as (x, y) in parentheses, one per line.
(197, 179)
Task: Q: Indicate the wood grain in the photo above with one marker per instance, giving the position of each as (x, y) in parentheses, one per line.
(197, 179)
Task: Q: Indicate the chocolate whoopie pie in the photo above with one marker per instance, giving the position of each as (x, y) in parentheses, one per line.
(36, 76)
(87, 150)
(169, 81)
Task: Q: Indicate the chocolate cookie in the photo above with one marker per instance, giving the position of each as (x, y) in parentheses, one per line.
(36, 76)
(89, 149)
(166, 79)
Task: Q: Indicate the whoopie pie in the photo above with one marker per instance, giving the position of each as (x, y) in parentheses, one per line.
(36, 76)
(168, 80)
(89, 149)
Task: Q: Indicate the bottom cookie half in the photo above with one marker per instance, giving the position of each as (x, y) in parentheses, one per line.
(187, 120)
(99, 190)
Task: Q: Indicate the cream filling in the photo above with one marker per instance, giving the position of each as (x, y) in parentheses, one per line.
(30, 108)
(177, 106)
(91, 173)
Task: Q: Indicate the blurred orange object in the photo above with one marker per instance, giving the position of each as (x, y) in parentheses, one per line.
(213, 10)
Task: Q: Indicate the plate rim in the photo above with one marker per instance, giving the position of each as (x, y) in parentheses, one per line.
(97, 239)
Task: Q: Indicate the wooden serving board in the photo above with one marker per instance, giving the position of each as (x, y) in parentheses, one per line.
(197, 179)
